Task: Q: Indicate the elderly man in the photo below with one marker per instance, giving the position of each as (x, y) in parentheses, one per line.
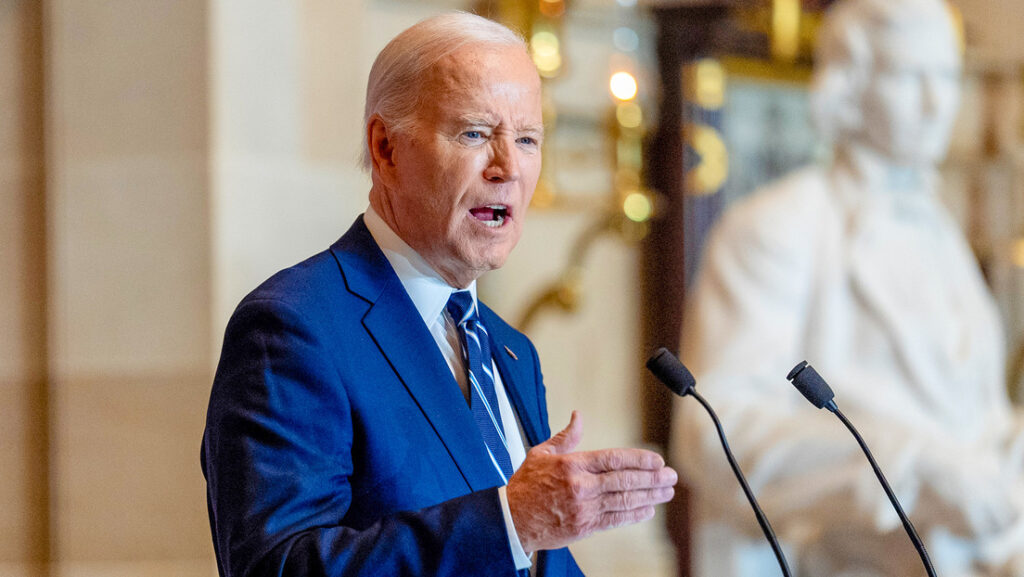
(368, 416)
(856, 267)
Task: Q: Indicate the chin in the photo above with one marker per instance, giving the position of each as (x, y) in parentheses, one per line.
(489, 262)
(465, 267)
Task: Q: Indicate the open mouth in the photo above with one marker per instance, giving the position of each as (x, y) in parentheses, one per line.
(492, 215)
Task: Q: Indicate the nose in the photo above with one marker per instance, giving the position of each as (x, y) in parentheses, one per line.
(935, 89)
(503, 165)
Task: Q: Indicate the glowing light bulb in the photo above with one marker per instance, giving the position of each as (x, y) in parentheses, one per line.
(637, 207)
(623, 86)
(546, 53)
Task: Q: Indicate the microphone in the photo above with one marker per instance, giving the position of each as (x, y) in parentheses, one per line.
(667, 369)
(816, 390)
(812, 386)
(674, 374)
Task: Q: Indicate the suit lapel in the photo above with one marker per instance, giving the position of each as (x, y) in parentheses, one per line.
(406, 343)
(516, 374)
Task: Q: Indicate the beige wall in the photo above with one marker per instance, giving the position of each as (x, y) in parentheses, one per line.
(992, 29)
(128, 281)
(23, 446)
(104, 356)
(286, 117)
(139, 195)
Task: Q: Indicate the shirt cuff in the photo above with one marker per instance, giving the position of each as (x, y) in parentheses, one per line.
(522, 560)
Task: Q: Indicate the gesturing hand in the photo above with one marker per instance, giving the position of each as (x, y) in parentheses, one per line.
(558, 496)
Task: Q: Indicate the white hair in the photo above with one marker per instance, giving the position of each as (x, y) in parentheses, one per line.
(393, 91)
(848, 45)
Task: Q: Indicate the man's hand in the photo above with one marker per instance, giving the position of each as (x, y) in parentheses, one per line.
(558, 496)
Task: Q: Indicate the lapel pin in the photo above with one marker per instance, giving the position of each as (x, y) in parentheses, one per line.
(511, 354)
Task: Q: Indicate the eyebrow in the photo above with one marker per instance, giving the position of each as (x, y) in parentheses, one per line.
(478, 119)
(534, 129)
(484, 119)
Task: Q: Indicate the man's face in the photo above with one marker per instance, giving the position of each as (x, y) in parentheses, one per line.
(912, 97)
(464, 174)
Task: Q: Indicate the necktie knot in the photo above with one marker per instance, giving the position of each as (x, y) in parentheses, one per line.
(460, 307)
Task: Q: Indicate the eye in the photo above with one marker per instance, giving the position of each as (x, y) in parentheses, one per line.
(527, 141)
(473, 134)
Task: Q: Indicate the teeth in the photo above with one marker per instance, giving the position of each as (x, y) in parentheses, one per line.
(498, 214)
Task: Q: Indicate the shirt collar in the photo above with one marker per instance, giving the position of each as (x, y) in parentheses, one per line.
(428, 291)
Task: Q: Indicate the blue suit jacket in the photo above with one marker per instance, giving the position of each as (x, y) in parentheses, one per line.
(337, 441)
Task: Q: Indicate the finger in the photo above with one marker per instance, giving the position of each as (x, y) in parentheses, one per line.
(619, 459)
(566, 439)
(615, 519)
(632, 500)
(630, 480)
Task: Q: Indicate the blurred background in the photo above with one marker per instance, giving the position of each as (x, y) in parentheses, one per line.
(159, 159)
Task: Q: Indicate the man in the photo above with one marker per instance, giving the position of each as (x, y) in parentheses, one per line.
(857, 267)
(338, 441)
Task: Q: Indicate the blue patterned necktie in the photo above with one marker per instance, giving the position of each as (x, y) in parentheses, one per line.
(483, 401)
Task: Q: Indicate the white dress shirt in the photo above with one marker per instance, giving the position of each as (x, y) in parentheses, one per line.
(429, 294)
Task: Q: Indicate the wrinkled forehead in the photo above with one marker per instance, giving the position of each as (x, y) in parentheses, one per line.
(473, 67)
(924, 44)
(485, 79)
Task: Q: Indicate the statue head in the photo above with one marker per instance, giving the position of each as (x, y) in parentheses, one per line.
(887, 77)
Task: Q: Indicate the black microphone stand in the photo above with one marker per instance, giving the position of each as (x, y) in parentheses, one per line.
(667, 368)
(762, 520)
(813, 386)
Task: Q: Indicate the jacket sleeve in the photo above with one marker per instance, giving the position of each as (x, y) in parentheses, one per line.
(277, 456)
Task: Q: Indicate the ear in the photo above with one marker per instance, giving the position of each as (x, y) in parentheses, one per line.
(381, 147)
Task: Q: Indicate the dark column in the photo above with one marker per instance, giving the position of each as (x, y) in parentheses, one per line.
(685, 34)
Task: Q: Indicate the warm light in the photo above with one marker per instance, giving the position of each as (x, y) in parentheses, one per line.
(623, 86)
(709, 174)
(552, 8)
(958, 23)
(637, 207)
(546, 55)
(629, 114)
(785, 28)
(1018, 253)
(706, 87)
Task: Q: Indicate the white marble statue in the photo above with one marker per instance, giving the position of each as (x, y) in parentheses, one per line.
(859, 269)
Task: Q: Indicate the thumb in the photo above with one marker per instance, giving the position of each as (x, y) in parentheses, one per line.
(567, 439)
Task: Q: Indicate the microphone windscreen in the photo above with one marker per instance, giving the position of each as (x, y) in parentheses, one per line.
(811, 385)
(667, 368)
